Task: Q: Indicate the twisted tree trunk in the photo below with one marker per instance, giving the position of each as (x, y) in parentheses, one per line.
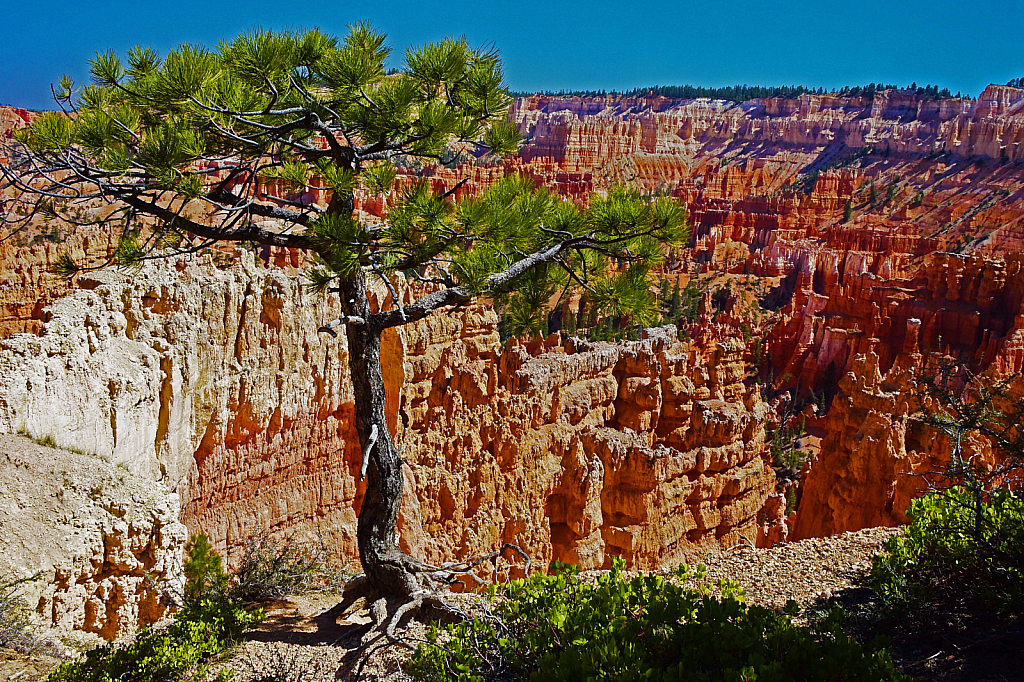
(389, 570)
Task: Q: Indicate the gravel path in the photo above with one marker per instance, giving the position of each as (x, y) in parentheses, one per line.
(804, 571)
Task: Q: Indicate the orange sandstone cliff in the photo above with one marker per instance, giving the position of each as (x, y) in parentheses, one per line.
(211, 378)
(934, 189)
(215, 382)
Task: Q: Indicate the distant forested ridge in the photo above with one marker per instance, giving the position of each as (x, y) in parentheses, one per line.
(742, 93)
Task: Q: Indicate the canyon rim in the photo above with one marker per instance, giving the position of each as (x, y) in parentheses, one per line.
(836, 240)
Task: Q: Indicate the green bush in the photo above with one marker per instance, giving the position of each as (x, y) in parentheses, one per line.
(951, 553)
(208, 622)
(180, 651)
(558, 627)
(204, 570)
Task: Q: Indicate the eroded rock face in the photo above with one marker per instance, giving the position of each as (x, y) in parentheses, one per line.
(95, 534)
(646, 451)
(215, 382)
(591, 133)
(887, 228)
(876, 456)
(179, 376)
(854, 332)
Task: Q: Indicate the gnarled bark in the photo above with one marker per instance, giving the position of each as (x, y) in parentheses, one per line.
(389, 570)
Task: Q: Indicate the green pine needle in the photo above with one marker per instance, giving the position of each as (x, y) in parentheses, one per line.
(129, 253)
(64, 266)
(379, 178)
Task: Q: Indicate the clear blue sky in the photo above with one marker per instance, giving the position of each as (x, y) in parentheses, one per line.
(552, 45)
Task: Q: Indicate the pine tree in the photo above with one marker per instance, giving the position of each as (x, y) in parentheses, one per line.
(872, 195)
(214, 146)
(569, 318)
(848, 211)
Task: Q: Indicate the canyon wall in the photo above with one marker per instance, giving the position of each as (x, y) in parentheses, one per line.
(589, 133)
(873, 453)
(215, 382)
(882, 229)
(98, 539)
(864, 217)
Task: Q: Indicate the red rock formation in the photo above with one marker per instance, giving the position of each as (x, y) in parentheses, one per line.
(27, 284)
(947, 177)
(581, 453)
(11, 119)
(650, 450)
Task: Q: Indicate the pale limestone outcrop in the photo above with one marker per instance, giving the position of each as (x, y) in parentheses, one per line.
(99, 538)
(200, 377)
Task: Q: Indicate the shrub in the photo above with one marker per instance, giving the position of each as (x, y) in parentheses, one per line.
(204, 570)
(949, 553)
(558, 627)
(15, 624)
(16, 627)
(46, 441)
(179, 652)
(270, 570)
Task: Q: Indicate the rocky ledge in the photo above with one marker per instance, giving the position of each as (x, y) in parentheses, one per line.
(98, 538)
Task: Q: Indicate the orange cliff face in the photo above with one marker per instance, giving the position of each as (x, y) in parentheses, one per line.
(586, 133)
(215, 382)
(873, 452)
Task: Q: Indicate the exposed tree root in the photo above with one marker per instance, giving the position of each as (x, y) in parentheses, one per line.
(387, 612)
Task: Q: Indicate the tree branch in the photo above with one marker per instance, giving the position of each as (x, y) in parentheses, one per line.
(451, 296)
(247, 233)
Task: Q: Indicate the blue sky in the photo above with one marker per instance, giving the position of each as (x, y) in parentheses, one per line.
(568, 45)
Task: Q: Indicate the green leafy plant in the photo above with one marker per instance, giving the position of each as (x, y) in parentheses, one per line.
(641, 627)
(940, 558)
(181, 651)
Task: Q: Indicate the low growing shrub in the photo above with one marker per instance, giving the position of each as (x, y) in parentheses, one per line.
(272, 569)
(17, 630)
(644, 627)
(949, 553)
(181, 651)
